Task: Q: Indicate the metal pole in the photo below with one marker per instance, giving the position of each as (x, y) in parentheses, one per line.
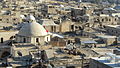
(40, 63)
(39, 56)
(82, 61)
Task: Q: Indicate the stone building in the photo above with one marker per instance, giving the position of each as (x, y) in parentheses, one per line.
(30, 35)
(106, 20)
(64, 10)
(56, 41)
(107, 40)
(77, 11)
(113, 29)
(13, 18)
(5, 42)
(33, 33)
(49, 25)
(81, 11)
(49, 9)
(65, 26)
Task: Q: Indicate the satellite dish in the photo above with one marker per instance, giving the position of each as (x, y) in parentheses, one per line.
(69, 46)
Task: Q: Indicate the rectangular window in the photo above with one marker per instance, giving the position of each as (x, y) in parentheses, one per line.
(109, 19)
(47, 38)
(0, 19)
(72, 27)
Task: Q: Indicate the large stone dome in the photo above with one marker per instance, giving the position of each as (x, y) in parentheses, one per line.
(32, 29)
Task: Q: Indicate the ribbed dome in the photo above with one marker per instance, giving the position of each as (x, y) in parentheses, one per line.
(32, 29)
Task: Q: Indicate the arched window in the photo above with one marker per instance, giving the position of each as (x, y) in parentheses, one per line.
(68, 42)
(19, 53)
(5, 54)
(1, 40)
(24, 40)
(37, 39)
(102, 20)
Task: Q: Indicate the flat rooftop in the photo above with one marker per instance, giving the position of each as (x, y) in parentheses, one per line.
(107, 62)
(114, 26)
(106, 36)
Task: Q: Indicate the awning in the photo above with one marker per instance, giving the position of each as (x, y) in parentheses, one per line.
(89, 42)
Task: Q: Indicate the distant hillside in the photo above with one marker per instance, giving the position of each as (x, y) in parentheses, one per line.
(96, 1)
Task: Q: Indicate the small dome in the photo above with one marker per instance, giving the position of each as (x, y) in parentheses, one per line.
(32, 29)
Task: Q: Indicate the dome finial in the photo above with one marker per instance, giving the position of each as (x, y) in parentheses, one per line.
(31, 18)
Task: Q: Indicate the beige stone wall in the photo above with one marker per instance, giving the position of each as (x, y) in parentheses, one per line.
(6, 35)
(89, 11)
(52, 11)
(109, 41)
(10, 19)
(112, 30)
(52, 28)
(65, 26)
(107, 20)
(58, 43)
(41, 39)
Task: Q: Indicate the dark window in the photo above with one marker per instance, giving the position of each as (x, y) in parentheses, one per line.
(19, 53)
(77, 40)
(37, 39)
(76, 27)
(1, 40)
(72, 27)
(109, 19)
(102, 20)
(25, 15)
(21, 7)
(14, 19)
(24, 40)
(7, 19)
(106, 19)
(47, 39)
(50, 7)
(52, 28)
(68, 42)
(0, 19)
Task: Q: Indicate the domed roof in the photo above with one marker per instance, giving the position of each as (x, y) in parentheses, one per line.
(32, 29)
